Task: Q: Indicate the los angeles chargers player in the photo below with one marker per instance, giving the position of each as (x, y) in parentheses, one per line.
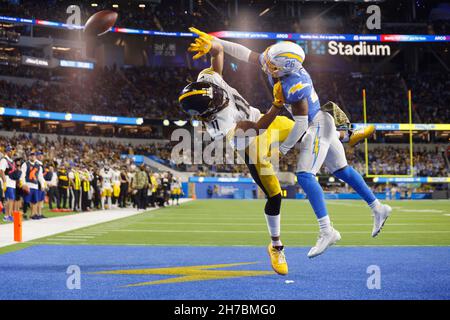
(283, 63)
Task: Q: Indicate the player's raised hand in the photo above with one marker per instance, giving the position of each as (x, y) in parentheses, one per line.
(278, 98)
(202, 45)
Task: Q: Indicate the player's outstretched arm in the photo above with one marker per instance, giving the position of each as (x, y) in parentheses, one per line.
(217, 57)
(235, 50)
(250, 128)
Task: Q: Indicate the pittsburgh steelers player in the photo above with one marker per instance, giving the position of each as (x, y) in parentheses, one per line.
(283, 64)
(106, 176)
(226, 113)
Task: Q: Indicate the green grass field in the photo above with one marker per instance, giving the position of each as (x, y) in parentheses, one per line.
(241, 222)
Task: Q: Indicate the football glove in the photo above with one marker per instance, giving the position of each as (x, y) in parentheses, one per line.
(202, 45)
(278, 98)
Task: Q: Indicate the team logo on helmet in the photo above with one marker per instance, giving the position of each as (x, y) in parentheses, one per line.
(282, 58)
(202, 100)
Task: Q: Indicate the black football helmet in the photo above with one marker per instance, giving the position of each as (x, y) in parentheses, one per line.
(202, 100)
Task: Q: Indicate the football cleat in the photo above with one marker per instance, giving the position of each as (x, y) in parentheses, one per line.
(358, 135)
(326, 239)
(380, 215)
(278, 260)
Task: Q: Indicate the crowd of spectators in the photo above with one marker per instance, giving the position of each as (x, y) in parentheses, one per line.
(152, 92)
(137, 92)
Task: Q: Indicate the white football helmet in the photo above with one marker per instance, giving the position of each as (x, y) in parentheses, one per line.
(282, 58)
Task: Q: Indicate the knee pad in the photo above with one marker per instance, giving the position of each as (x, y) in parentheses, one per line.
(273, 205)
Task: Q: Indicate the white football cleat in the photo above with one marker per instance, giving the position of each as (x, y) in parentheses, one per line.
(380, 215)
(326, 239)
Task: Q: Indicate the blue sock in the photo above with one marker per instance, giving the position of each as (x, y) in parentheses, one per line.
(354, 180)
(314, 192)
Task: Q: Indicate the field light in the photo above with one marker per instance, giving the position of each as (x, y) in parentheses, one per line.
(115, 5)
(142, 5)
(94, 5)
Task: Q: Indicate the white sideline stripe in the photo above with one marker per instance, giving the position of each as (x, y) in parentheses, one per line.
(36, 229)
(265, 232)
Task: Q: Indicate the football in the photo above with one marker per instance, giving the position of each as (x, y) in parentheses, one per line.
(100, 22)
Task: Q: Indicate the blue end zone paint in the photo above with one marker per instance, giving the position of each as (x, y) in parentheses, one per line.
(38, 272)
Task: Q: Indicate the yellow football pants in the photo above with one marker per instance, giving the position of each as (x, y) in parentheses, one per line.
(257, 155)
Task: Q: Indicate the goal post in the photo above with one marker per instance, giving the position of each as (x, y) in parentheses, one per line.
(366, 145)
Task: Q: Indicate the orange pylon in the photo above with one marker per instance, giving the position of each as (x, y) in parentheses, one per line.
(17, 226)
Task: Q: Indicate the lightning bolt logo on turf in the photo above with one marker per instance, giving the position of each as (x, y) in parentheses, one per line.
(189, 274)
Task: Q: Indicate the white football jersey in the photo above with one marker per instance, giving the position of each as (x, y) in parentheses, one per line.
(115, 176)
(237, 110)
(106, 178)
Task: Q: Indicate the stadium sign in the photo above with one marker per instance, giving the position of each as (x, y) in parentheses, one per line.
(60, 116)
(412, 180)
(249, 35)
(360, 49)
(76, 64)
(405, 126)
(37, 62)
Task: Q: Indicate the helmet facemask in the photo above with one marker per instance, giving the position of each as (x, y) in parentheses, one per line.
(218, 100)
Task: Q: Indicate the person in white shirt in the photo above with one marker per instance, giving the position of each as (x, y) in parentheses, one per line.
(30, 176)
(9, 174)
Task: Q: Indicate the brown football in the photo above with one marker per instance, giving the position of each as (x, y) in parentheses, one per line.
(100, 22)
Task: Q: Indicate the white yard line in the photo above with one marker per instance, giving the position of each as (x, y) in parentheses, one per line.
(35, 229)
(247, 231)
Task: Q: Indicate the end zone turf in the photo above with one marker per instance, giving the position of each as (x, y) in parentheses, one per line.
(132, 272)
(216, 250)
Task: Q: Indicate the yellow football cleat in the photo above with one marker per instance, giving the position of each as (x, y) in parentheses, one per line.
(361, 134)
(278, 260)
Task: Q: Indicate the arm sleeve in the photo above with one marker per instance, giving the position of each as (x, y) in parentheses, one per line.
(235, 50)
(300, 127)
